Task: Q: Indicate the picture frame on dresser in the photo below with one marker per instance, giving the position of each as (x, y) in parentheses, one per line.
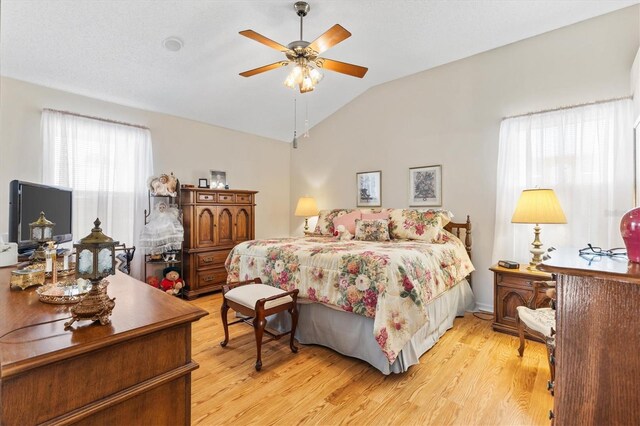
(218, 179)
(425, 186)
(369, 189)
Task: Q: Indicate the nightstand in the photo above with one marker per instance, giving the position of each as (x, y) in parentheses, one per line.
(513, 288)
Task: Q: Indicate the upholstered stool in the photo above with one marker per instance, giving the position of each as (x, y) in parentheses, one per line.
(257, 301)
(538, 322)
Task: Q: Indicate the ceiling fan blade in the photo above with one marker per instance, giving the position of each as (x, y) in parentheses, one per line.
(264, 40)
(330, 38)
(264, 69)
(342, 67)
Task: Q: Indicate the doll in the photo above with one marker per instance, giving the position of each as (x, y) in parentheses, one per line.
(164, 232)
(172, 283)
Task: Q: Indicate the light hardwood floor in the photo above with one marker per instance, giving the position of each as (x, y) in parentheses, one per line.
(472, 376)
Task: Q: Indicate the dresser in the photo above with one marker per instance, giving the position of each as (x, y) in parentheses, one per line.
(597, 355)
(214, 220)
(513, 288)
(138, 367)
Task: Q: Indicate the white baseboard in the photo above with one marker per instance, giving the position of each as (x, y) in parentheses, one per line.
(484, 307)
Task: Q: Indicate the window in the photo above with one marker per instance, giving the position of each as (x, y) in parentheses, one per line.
(585, 154)
(107, 166)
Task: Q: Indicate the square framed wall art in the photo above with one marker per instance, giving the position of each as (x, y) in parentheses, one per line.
(369, 192)
(425, 186)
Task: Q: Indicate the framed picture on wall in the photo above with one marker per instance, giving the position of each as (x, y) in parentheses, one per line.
(369, 192)
(218, 179)
(425, 186)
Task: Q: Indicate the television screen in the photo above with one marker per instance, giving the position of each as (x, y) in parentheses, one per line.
(27, 200)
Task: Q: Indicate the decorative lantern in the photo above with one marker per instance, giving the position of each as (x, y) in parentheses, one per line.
(95, 260)
(41, 231)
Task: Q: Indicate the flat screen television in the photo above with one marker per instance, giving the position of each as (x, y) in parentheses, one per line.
(27, 200)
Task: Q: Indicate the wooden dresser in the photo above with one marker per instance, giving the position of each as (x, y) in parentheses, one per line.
(597, 356)
(135, 370)
(513, 288)
(214, 220)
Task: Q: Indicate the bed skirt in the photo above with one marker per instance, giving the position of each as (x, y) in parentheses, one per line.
(352, 335)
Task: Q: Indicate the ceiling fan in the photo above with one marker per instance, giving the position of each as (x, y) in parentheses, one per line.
(305, 56)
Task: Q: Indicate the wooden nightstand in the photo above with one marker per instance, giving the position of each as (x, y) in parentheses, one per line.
(513, 288)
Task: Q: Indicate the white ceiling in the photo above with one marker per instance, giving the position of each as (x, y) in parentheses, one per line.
(112, 50)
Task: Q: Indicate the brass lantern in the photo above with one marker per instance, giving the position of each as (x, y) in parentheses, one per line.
(41, 231)
(95, 260)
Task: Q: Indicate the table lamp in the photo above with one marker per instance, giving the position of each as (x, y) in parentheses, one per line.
(538, 206)
(306, 207)
(95, 260)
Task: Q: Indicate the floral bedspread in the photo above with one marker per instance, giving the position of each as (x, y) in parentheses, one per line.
(389, 281)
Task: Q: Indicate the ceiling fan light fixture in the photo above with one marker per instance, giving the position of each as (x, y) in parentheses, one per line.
(304, 56)
(307, 85)
(315, 75)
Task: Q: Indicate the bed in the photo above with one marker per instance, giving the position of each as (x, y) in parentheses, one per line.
(385, 302)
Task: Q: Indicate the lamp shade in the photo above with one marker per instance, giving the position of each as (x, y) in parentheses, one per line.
(538, 206)
(306, 207)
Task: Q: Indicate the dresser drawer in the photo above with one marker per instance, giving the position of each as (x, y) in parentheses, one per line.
(243, 198)
(226, 198)
(210, 277)
(207, 198)
(514, 280)
(211, 259)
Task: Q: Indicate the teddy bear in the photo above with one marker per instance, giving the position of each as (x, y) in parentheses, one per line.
(172, 283)
(343, 233)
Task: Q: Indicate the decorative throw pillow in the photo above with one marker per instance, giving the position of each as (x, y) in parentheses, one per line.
(325, 220)
(348, 221)
(373, 216)
(412, 224)
(372, 230)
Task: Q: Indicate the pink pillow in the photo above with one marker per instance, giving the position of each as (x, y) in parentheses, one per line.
(375, 216)
(348, 221)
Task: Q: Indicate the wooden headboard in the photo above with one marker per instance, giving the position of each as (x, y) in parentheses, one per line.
(456, 229)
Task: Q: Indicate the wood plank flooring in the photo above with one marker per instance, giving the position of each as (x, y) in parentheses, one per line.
(472, 376)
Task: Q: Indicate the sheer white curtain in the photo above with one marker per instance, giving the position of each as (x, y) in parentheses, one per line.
(585, 154)
(107, 166)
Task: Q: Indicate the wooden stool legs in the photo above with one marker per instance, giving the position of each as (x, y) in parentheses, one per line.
(294, 323)
(520, 327)
(224, 309)
(258, 328)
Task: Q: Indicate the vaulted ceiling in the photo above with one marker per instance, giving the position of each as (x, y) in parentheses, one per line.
(113, 50)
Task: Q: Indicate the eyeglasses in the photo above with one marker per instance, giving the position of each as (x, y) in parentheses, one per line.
(598, 251)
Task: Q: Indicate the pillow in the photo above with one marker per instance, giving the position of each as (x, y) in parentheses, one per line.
(348, 221)
(412, 224)
(325, 220)
(374, 216)
(372, 230)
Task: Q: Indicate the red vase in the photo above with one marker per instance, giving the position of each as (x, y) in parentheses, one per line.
(630, 230)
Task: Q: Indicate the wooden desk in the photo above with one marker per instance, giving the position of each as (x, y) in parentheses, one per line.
(137, 369)
(597, 339)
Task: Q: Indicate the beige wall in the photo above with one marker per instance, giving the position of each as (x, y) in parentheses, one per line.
(188, 148)
(451, 115)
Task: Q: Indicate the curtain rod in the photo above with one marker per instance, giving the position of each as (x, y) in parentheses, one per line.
(97, 118)
(569, 106)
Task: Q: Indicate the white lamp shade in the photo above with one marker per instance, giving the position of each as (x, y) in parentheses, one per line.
(538, 206)
(306, 207)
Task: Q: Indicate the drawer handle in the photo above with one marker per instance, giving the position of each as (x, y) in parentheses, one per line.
(207, 259)
(208, 279)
